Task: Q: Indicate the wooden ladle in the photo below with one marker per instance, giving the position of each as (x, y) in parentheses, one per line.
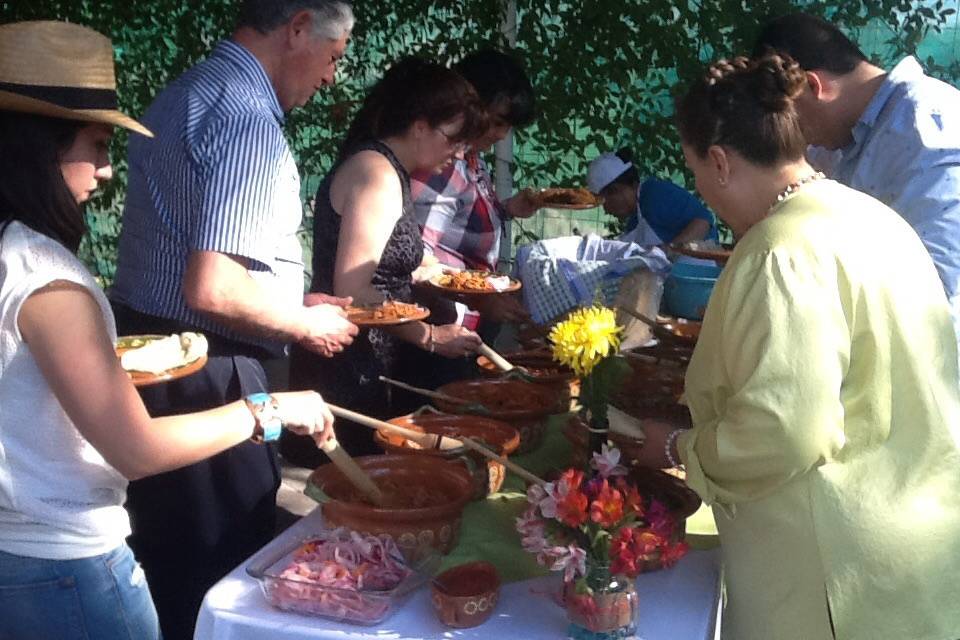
(430, 441)
(353, 472)
(469, 407)
(498, 360)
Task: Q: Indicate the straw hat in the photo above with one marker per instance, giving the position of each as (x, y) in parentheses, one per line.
(60, 70)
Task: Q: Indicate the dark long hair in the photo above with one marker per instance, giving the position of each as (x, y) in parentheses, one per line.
(416, 89)
(32, 188)
(747, 105)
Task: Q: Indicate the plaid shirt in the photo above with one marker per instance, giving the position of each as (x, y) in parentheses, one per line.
(458, 211)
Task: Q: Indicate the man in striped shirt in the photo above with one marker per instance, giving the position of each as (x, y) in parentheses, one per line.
(209, 243)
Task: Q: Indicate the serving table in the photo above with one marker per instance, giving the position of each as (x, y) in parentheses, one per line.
(675, 604)
(680, 603)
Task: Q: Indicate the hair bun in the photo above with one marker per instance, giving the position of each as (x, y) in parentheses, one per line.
(772, 80)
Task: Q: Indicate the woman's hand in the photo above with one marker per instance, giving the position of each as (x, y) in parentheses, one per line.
(453, 341)
(653, 454)
(523, 204)
(306, 414)
(429, 268)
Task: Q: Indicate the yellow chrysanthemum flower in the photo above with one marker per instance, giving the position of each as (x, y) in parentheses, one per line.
(585, 338)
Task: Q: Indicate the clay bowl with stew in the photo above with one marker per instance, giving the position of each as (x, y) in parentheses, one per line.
(424, 500)
(523, 405)
(498, 436)
(542, 369)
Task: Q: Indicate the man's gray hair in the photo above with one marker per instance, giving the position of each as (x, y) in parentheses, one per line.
(332, 19)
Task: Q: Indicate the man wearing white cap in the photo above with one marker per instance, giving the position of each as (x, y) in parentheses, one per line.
(656, 211)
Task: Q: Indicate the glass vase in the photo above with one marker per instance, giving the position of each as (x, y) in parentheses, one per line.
(606, 610)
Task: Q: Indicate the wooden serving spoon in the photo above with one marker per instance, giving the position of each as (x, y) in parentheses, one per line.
(470, 407)
(430, 441)
(353, 472)
(501, 363)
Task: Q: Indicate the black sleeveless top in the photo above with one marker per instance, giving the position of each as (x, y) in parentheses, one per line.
(351, 378)
(402, 254)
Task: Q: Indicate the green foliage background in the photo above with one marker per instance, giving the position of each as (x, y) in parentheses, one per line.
(604, 69)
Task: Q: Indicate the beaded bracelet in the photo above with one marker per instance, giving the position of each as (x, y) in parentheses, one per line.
(668, 447)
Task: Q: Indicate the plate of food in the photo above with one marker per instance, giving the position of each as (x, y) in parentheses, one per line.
(703, 250)
(474, 282)
(557, 198)
(386, 313)
(151, 359)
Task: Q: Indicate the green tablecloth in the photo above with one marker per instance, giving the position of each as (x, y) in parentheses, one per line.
(488, 531)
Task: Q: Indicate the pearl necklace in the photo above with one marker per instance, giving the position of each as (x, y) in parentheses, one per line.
(793, 187)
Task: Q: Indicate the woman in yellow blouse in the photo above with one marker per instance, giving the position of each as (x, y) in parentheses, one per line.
(823, 389)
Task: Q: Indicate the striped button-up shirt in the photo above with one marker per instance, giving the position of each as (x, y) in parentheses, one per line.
(218, 176)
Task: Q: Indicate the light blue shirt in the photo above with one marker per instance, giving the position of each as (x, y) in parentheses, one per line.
(906, 153)
(218, 176)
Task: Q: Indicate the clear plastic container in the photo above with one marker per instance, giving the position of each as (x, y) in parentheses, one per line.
(365, 607)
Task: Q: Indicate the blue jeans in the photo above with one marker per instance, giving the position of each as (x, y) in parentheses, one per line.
(100, 598)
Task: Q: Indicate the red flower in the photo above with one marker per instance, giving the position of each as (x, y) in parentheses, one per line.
(632, 500)
(630, 548)
(607, 509)
(670, 554)
(571, 502)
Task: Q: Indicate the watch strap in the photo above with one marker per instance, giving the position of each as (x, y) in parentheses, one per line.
(266, 417)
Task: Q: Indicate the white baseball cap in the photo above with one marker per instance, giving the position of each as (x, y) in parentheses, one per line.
(606, 168)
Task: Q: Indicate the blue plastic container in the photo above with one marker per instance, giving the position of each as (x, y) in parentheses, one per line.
(688, 288)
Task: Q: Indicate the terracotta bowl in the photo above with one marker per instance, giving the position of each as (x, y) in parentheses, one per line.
(542, 368)
(523, 405)
(446, 487)
(681, 330)
(487, 474)
(466, 595)
(651, 383)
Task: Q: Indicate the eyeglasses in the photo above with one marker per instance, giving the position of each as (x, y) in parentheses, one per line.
(457, 145)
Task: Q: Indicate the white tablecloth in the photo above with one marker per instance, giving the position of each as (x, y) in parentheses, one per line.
(675, 604)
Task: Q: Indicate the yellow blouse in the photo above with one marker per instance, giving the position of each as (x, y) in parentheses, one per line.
(824, 394)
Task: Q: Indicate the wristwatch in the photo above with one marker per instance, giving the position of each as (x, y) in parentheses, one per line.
(266, 416)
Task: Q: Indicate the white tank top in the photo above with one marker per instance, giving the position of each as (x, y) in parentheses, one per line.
(59, 498)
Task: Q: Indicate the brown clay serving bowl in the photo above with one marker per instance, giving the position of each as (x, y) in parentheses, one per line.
(466, 595)
(424, 500)
(523, 405)
(681, 330)
(541, 367)
(487, 474)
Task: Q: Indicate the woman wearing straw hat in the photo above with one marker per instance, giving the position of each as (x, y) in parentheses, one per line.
(73, 429)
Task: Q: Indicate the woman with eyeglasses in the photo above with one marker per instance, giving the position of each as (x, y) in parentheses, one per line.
(366, 241)
(460, 214)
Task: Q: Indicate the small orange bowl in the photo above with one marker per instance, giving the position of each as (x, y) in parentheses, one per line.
(466, 595)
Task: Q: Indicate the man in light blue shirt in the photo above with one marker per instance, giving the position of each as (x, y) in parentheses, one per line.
(895, 136)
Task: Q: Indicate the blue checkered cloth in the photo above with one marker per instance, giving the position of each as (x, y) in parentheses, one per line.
(565, 273)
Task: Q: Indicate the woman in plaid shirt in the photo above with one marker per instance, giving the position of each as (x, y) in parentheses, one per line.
(459, 213)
